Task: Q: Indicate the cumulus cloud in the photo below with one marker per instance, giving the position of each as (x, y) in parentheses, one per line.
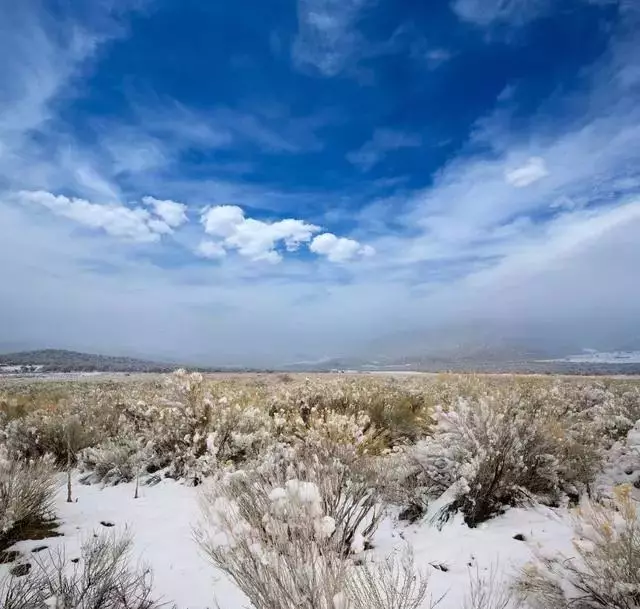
(533, 170)
(211, 249)
(339, 249)
(172, 213)
(222, 220)
(253, 238)
(381, 143)
(134, 224)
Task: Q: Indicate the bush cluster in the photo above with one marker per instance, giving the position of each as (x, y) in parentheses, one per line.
(298, 471)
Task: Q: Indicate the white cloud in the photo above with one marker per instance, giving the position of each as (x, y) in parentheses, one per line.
(172, 213)
(222, 220)
(135, 224)
(211, 249)
(40, 57)
(381, 143)
(487, 12)
(327, 38)
(252, 238)
(533, 170)
(339, 249)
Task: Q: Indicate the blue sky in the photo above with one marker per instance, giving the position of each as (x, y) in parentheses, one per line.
(260, 182)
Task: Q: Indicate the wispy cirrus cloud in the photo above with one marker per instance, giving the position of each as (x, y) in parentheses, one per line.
(530, 172)
(328, 38)
(382, 142)
(39, 61)
(511, 12)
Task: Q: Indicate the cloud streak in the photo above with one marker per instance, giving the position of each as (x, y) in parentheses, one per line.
(382, 143)
(488, 12)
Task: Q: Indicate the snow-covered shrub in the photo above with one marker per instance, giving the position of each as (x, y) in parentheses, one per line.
(197, 427)
(113, 461)
(346, 482)
(606, 571)
(101, 579)
(40, 434)
(280, 547)
(499, 450)
(86, 416)
(622, 464)
(394, 412)
(26, 494)
(612, 410)
(274, 542)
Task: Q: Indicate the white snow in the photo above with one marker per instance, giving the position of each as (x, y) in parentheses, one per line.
(603, 357)
(162, 521)
(489, 548)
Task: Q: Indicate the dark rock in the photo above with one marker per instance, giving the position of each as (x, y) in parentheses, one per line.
(39, 548)
(106, 523)
(519, 537)
(75, 560)
(20, 570)
(413, 513)
(440, 566)
(628, 471)
(8, 556)
(153, 480)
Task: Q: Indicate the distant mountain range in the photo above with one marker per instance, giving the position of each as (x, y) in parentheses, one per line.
(483, 359)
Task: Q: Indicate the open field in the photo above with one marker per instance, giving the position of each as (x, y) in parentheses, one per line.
(324, 491)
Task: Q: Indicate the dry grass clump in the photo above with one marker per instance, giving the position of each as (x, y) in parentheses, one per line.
(101, 579)
(398, 412)
(606, 571)
(26, 496)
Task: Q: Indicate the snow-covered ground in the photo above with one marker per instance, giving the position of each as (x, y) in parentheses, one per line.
(603, 357)
(162, 519)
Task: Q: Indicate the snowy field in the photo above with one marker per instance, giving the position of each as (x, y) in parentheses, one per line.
(161, 521)
(470, 483)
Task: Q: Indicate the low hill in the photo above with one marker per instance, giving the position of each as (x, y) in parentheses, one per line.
(59, 360)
